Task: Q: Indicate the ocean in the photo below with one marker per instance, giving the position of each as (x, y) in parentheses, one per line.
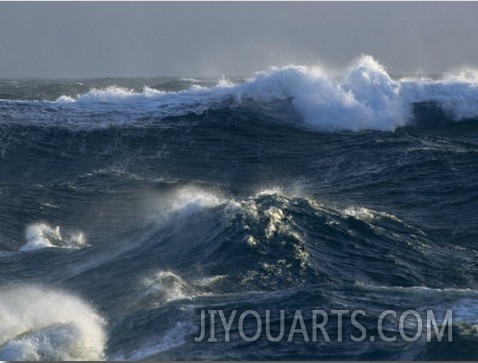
(135, 211)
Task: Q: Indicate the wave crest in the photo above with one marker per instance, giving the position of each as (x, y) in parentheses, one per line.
(362, 97)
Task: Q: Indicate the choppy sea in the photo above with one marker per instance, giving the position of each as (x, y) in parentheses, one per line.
(128, 206)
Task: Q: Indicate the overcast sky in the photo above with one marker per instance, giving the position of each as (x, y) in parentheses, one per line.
(78, 39)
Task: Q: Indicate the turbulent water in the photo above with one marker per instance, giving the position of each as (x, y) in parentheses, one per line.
(127, 206)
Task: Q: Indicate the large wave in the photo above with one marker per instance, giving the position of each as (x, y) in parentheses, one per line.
(361, 97)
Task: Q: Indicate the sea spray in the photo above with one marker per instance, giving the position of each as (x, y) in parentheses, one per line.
(39, 323)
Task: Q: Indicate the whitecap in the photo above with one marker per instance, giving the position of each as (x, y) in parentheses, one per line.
(42, 235)
(44, 324)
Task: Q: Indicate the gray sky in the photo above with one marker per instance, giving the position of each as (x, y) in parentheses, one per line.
(92, 39)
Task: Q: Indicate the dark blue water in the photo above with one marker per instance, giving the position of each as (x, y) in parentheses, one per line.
(125, 211)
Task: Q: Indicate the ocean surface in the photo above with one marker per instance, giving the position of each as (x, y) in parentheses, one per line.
(128, 206)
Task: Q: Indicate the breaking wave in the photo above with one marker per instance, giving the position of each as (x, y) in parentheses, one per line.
(44, 324)
(41, 235)
(361, 97)
(191, 195)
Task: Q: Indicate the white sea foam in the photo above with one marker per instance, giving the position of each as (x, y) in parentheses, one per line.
(456, 95)
(123, 105)
(41, 235)
(166, 286)
(361, 213)
(183, 202)
(189, 200)
(42, 324)
(363, 96)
